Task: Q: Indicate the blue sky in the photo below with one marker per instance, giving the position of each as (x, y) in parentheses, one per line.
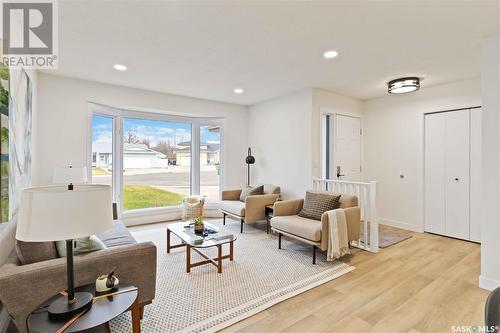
(154, 130)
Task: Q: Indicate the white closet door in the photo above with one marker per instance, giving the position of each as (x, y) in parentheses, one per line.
(475, 174)
(435, 173)
(457, 173)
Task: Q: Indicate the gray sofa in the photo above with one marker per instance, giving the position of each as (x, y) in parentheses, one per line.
(24, 287)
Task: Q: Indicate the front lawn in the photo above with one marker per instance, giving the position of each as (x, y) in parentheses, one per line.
(141, 196)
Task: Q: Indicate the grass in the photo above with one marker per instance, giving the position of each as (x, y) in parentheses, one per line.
(4, 209)
(99, 172)
(140, 196)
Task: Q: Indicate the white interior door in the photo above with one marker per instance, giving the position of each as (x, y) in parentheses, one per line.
(434, 169)
(457, 173)
(347, 151)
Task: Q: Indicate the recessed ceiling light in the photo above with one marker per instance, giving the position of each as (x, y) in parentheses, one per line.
(120, 67)
(403, 85)
(330, 54)
(238, 90)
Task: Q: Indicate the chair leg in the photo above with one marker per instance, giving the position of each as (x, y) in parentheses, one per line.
(314, 254)
(279, 240)
(223, 218)
(242, 221)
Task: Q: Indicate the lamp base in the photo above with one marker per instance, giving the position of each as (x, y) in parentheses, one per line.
(60, 309)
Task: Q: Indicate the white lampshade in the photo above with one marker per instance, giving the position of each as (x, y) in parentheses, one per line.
(67, 175)
(52, 213)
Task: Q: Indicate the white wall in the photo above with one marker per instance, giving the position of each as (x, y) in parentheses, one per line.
(285, 136)
(280, 137)
(393, 145)
(490, 220)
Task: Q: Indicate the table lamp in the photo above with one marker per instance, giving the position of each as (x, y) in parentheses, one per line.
(55, 213)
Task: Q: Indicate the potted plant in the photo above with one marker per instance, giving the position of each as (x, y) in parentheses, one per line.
(198, 225)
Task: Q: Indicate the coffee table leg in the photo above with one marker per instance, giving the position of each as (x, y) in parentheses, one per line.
(136, 317)
(168, 240)
(188, 258)
(231, 251)
(219, 258)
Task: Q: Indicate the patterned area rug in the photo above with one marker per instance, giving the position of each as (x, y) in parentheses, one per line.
(203, 300)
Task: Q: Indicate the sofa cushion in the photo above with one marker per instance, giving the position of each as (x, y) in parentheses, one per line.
(31, 252)
(234, 207)
(298, 226)
(117, 235)
(251, 190)
(316, 203)
(81, 245)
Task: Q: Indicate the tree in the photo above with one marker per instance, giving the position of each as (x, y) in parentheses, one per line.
(131, 138)
(146, 142)
(164, 147)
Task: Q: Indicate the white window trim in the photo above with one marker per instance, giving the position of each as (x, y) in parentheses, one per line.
(156, 214)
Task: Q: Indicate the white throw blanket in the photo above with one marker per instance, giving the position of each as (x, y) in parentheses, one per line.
(337, 235)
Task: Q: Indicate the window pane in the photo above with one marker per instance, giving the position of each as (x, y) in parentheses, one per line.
(210, 162)
(156, 163)
(102, 150)
(4, 148)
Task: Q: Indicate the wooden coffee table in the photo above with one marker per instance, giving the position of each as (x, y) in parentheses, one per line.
(195, 242)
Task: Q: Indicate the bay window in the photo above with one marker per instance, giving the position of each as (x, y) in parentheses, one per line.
(154, 160)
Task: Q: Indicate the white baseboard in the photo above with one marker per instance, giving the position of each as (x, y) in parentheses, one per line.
(488, 283)
(400, 225)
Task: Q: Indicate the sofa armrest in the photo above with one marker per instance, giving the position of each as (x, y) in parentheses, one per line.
(231, 194)
(23, 288)
(353, 219)
(288, 207)
(255, 206)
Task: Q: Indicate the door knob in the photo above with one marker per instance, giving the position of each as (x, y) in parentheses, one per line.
(456, 179)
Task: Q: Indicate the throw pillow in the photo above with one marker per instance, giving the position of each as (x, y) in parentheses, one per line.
(249, 190)
(31, 252)
(316, 203)
(192, 207)
(81, 245)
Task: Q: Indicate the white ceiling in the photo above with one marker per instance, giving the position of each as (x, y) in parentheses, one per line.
(206, 49)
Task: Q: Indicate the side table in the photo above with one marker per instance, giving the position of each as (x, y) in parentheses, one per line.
(269, 211)
(106, 306)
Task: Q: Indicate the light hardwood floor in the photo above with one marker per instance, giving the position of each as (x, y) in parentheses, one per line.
(424, 284)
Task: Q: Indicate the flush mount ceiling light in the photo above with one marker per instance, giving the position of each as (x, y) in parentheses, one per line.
(330, 54)
(238, 90)
(403, 85)
(120, 67)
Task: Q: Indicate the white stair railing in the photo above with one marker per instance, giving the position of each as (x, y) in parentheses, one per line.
(367, 201)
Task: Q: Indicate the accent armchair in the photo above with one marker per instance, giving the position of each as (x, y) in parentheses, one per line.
(286, 221)
(252, 209)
